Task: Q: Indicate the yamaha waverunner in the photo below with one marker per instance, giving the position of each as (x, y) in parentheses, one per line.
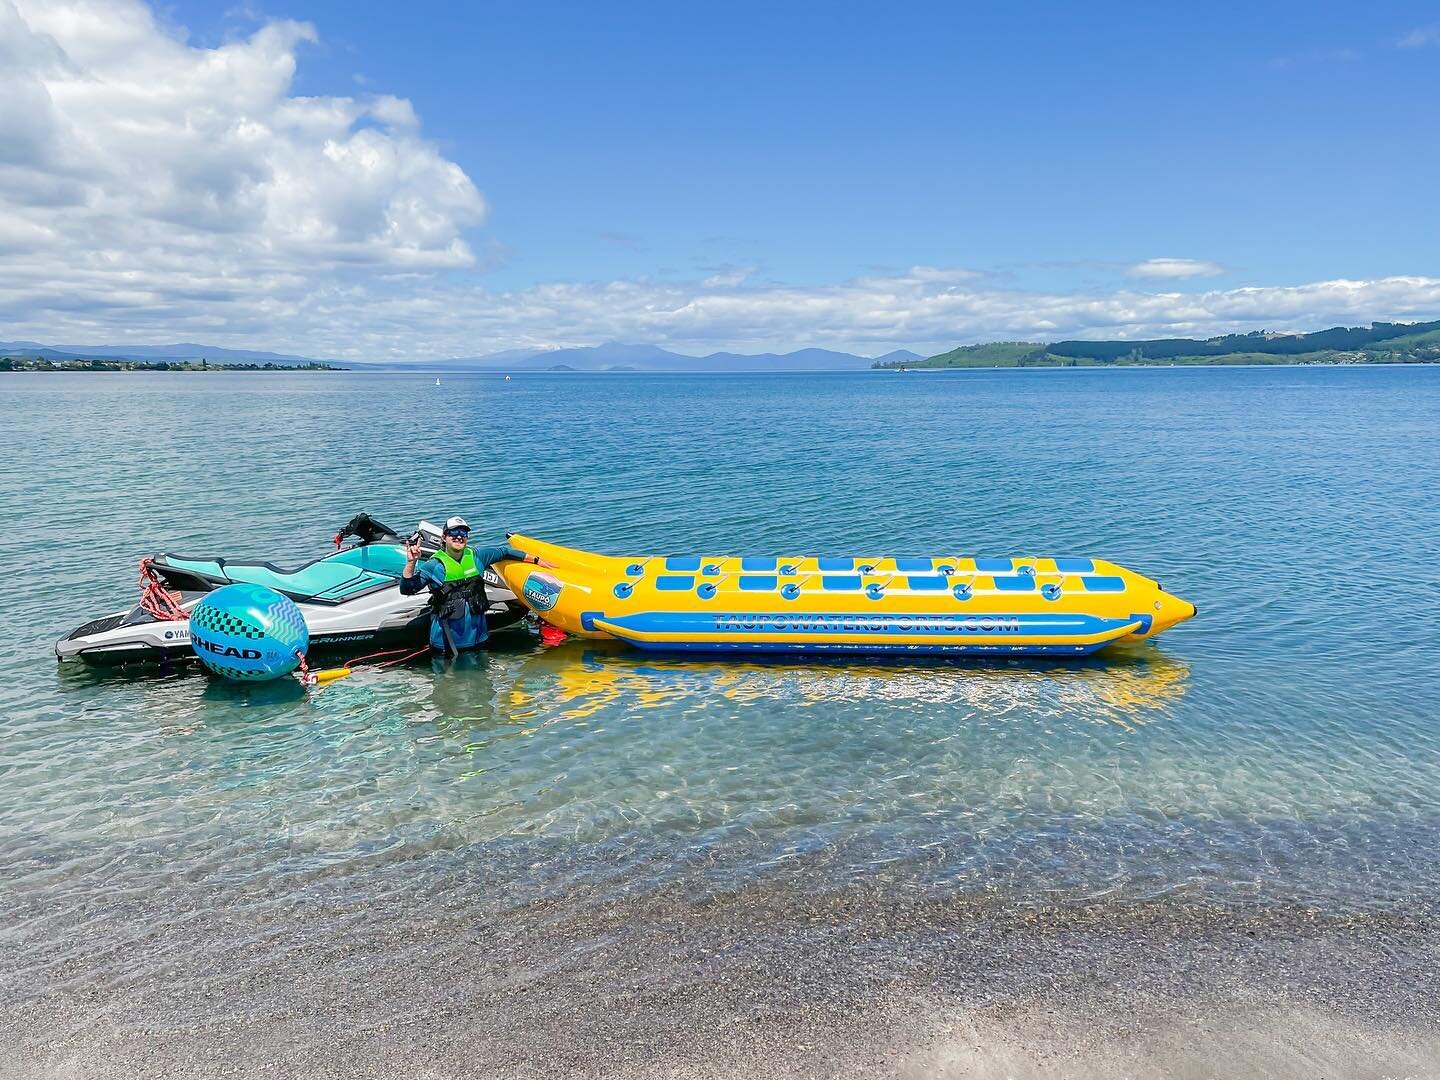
(350, 598)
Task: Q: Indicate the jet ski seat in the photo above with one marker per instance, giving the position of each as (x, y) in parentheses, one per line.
(340, 576)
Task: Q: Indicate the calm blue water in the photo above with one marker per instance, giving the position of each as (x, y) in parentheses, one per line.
(1281, 748)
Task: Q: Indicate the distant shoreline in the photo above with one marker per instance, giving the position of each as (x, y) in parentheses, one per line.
(426, 372)
(14, 364)
(1200, 362)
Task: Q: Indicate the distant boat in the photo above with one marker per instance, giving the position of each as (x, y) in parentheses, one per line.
(437, 382)
(507, 378)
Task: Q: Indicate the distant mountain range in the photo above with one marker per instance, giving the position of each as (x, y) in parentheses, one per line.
(612, 356)
(180, 351)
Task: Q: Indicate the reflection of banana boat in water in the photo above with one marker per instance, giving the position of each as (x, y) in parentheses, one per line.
(577, 680)
(876, 606)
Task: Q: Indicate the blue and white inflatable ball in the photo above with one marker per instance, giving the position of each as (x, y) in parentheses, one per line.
(248, 632)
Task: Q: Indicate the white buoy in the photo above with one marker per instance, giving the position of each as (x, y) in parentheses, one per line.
(437, 382)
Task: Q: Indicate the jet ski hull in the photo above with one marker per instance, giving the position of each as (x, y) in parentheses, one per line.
(350, 599)
(133, 637)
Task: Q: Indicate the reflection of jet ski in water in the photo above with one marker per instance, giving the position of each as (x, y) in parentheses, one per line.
(350, 598)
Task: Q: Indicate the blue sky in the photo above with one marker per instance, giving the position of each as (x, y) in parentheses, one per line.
(956, 167)
(1290, 142)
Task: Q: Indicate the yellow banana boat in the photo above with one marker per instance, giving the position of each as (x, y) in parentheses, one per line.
(874, 606)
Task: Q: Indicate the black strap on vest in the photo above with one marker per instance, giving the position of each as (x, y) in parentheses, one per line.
(450, 600)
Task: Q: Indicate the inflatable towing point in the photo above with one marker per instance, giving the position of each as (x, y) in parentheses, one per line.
(894, 605)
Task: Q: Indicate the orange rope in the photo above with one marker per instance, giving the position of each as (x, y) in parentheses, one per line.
(309, 679)
(156, 600)
(371, 656)
(392, 663)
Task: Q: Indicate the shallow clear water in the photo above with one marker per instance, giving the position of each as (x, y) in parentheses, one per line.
(1283, 747)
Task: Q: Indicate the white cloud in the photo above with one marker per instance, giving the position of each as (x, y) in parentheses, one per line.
(137, 167)
(406, 319)
(729, 278)
(1420, 37)
(919, 309)
(1174, 268)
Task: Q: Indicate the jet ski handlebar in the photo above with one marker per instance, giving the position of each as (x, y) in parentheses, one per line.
(367, 530)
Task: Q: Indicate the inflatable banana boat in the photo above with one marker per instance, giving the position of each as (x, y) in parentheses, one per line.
(875, 606)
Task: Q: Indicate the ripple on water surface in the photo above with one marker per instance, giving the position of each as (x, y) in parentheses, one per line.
(1281, 748)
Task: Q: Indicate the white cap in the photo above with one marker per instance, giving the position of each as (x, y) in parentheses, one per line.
(456, 522)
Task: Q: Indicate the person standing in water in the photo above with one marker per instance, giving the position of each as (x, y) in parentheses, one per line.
(455, 576)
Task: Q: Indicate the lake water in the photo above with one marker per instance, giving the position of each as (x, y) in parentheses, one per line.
(1280, 752)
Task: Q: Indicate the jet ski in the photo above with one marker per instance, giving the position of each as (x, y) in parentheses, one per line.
(350, 598)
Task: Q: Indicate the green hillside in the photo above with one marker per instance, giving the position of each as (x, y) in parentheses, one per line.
(1380, 343)
(1427, 339)
(994, 354)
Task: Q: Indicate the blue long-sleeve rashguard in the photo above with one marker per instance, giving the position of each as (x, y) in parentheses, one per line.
(469, 629)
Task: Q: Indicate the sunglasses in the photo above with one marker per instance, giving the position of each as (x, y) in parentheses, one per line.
(458, 534)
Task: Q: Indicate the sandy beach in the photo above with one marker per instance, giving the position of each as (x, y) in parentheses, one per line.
(758, 982)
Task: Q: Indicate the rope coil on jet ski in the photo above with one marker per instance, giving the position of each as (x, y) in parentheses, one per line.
(156, 600)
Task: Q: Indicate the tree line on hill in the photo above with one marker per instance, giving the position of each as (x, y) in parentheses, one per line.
(1380, 343)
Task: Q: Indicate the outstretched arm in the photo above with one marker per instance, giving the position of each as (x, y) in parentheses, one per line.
(491, 555)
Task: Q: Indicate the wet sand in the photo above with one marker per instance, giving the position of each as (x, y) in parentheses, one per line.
(760, 982)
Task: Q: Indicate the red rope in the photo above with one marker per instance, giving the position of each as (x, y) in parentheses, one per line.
(371, 656)
(310, 680)
(407, 656)
(388, 652)
(156, 600)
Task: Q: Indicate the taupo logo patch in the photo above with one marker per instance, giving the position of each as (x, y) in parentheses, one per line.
(541, 591)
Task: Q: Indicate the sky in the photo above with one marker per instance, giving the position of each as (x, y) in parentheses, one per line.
(368, 180)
